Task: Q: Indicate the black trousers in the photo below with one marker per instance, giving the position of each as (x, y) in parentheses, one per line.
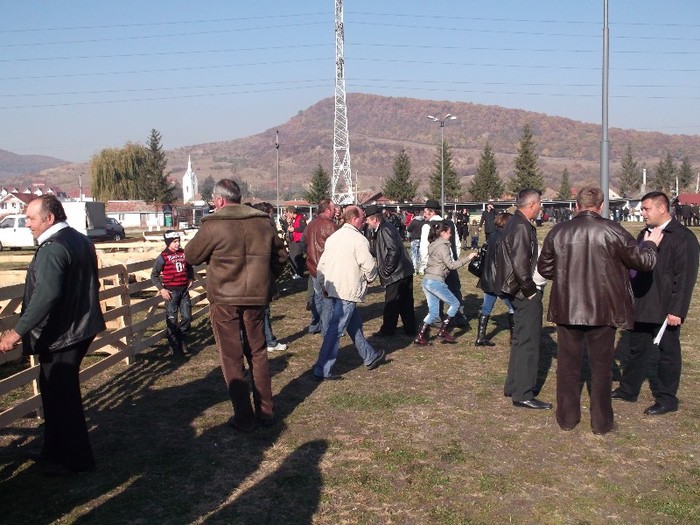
(296, 258)
(572, 343)
(521, 381)
(398, 301)
(65, 430)
(666, 373)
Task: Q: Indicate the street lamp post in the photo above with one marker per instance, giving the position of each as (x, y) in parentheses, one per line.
(277, 149)
(442, 158)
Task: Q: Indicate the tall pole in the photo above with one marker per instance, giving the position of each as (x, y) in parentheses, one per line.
(442, 158)
(277, 153)
(604, 144)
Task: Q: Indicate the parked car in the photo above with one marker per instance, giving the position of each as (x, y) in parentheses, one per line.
(14, 232)
(115, 231)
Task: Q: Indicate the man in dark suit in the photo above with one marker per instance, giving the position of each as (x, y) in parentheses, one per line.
(60, 317)
(516, 262)
(488, 221)
(395, 274)
(662, 297)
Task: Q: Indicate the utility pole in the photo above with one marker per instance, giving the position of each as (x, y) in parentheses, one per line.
(341, 182)
(604, 143)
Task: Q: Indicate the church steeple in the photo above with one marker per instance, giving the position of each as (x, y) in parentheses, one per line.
(190, 185)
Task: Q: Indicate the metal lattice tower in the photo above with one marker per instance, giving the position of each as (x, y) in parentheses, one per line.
(341, 183)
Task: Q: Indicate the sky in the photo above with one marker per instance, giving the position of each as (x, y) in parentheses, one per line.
(79, 76)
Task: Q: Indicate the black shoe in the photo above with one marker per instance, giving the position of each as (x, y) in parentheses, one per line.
(381, 333)
(613, 429)
(533, 403)
(658, 409)
(246, 429)
(377, 361)
(265, 421)
(619, 394)
(331, 377)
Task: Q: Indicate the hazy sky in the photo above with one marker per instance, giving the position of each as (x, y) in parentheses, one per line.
(79, 76)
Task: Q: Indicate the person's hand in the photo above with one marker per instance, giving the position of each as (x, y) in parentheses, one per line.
(673, 320)
(8, 340)
(165, 294)
(655, 235)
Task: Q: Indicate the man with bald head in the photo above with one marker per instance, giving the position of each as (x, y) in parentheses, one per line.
(343, 272)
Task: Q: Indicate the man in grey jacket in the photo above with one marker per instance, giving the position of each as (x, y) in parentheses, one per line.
(395, 274)
(60, 317)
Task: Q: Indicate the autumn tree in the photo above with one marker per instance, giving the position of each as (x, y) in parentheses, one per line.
(400, 187)
(486, 184)
(319, 187)
(565, 188)
(527, 173)
(117, 174)
(664, 178)
(630, 176)
(443, 161)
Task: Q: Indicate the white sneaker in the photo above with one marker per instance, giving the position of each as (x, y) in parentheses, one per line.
(278, 346)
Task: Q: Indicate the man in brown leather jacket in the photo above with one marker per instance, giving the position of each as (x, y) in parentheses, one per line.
(588, 259)
(243, 255)
(315, 235)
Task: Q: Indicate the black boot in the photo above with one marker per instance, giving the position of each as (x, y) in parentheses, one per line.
(511, 324)
(481, 332)
(445, 329)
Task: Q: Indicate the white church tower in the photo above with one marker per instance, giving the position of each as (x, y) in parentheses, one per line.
(190, 185)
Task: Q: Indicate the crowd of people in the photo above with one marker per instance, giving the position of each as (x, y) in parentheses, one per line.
(602, 279)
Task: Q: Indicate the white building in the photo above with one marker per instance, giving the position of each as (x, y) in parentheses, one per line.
(190, 185)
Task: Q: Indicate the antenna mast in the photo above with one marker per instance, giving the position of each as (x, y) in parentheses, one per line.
(341, 183)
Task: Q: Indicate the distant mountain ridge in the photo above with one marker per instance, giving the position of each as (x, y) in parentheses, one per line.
(381, 126)
(14, 165)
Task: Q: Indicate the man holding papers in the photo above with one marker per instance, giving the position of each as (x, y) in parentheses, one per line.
(662, 296)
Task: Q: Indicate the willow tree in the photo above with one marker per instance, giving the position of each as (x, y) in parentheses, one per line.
(117, 174)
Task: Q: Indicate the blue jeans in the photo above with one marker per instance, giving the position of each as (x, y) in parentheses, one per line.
(270, 338)
(344, 316)
(320, 309)
(415, 253)
(436, 291)
(490, 301)
(179, 302)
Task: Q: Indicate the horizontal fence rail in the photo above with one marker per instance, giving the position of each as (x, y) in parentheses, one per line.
(135, 317)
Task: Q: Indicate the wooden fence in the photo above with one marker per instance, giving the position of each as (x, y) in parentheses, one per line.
(135, 321)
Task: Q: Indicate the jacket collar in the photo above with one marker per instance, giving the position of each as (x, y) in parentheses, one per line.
(235, 212)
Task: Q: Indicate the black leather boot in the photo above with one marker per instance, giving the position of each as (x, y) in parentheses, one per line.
(481, 332)
(423, 336)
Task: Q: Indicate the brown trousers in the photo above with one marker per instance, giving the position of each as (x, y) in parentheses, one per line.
(573, 341)
(239, 334)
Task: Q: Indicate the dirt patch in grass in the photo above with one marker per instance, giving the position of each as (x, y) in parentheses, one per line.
(426, 438)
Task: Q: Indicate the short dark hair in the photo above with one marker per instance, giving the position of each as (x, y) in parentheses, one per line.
(501, 219)
(526, 196)
(51, 204)
(658, 197)
(324, 205)
(227, 189)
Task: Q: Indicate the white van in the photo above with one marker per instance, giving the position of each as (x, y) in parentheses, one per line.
(14, 232)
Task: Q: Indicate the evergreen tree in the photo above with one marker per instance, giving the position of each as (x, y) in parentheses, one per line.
(526, 173)
(117, 174)
(685, 175)
(664, 180)
(207, 188)
(565, 188)
(453, 187)
(320, 186)
(400, 187)
(486, 184)
(154, 186)
(630, 175)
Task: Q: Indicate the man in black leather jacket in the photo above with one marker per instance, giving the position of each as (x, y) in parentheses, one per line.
(395, 274)
(60, 317)
(515, 268)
